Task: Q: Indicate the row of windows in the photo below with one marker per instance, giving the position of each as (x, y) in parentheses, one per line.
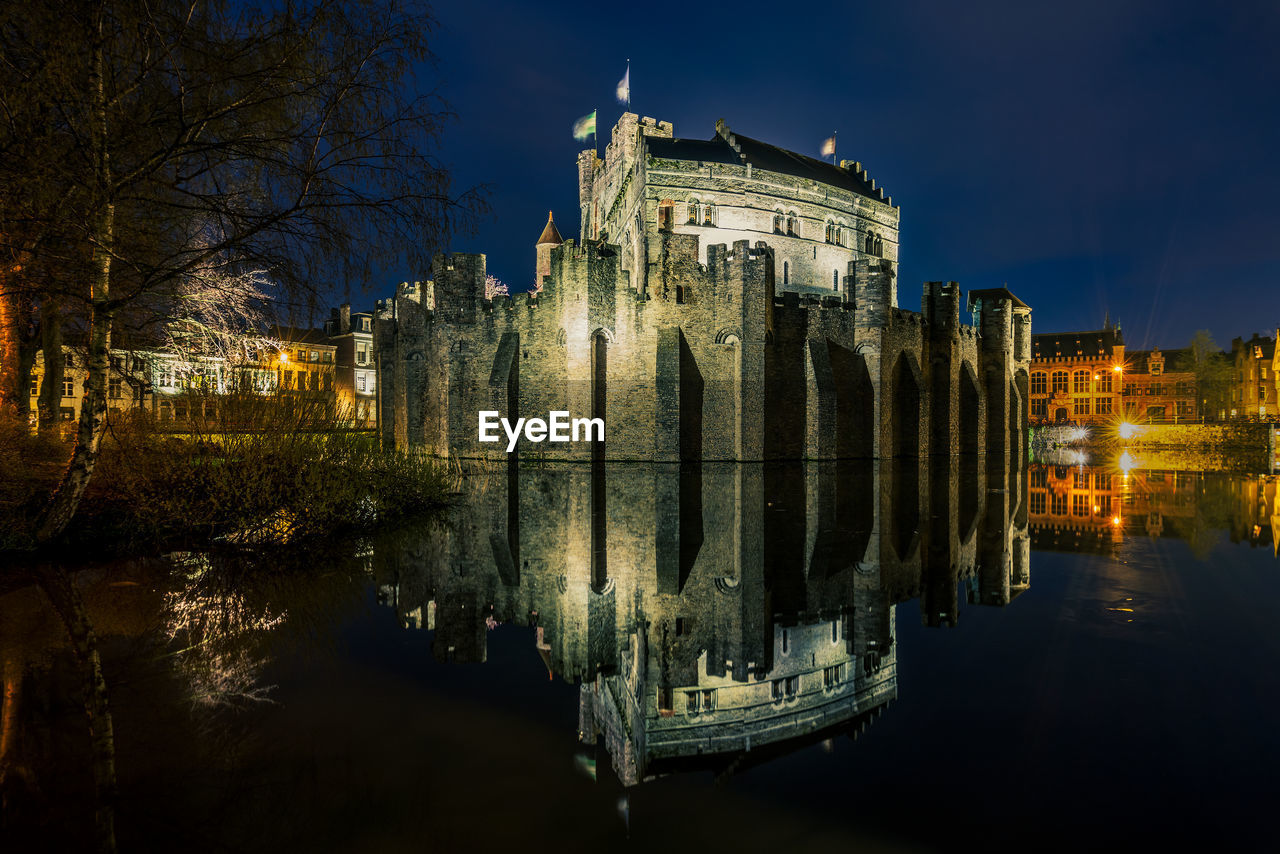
(1079, 382)
(1039, 407)
(1081, 505)
(1181, 389)
(1039, 477)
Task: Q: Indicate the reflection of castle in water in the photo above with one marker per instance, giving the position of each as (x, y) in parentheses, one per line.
(715, 613)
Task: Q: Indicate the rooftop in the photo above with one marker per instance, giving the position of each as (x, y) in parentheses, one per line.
(1096, 343)
(761, 155)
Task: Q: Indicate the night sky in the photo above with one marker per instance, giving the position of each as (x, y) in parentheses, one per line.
(1093, 156)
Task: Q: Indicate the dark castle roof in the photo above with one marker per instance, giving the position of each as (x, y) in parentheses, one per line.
(1175, 361)
(762, 155)
(1093, 344)
(550, 234)
(993, 294)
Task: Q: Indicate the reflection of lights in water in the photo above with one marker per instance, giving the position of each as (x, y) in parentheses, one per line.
(1115, 520)
(1127, 463)
(1127, 430)
(1079, 434)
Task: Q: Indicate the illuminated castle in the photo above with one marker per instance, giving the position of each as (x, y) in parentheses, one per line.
(728, 300)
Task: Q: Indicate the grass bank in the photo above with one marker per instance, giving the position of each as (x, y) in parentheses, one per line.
(269, 476)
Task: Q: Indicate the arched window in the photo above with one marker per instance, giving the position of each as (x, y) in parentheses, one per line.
(879, 247)
(793, 224)
(839, 236)
(694, 214)
(709, 214)
(1080, 382)
(1038, 383)
(786, 273)
(1059, 382)
(871, 243)
(777, 222)
(830, 231)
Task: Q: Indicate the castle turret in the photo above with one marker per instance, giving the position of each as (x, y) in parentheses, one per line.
(549, 240)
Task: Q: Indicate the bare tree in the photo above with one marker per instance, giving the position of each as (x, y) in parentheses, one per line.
(289, 135)
(144, 143)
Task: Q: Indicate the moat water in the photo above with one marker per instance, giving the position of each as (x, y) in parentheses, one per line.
(717, 658)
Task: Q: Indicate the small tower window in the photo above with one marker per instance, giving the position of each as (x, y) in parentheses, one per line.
(839, 237)
(793, 224)
(835, 280)
(878, 249)
(786, 273)
(693, 212)
(777, 222)
(870, 244)
(831, 232)
(709, 214)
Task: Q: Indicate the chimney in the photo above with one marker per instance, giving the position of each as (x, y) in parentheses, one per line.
(344, 318)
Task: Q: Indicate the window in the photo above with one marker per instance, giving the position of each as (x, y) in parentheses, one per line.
(831, 232)
(360, 382)
(709, 214)
(793, 224)
(1079, 505)
(1103, 506)
(1080, 480)
(315, 355)
(832, 676)
(775, 690)
(694, 212)
(1058, 504)
(1039, 477)
(1103, 406)
(835, 280)
(666, 215)
(1104, 382)
(362, 354)
(870, 245)
(1059, 382)
(791, 686)
(366, 324)
(1040, 408)
(1156, 390)
(786, 273)
(1185, 407)
(35, 385)
(1037, 502)
(1081, 406)
(1080, 382)
(68, 388)
(327, 357)
(777, 222)
(839, 239)
(113, 389)
(786, 641)
(1038, 384)
(1102, 481)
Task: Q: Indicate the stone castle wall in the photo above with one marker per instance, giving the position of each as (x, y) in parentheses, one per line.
(711, 364)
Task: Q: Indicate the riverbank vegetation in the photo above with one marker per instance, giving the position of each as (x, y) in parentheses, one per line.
(258, 471)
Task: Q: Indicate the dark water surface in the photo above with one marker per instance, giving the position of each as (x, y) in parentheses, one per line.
(711, 658)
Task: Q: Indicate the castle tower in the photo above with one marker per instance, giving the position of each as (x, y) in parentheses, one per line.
(549, 240)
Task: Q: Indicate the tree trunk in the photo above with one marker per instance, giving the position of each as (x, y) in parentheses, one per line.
(15, 320)
(49, 406)
(67, 602)
(12, 674)
(93, 409)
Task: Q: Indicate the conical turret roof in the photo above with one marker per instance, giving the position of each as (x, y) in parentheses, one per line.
(550, 234)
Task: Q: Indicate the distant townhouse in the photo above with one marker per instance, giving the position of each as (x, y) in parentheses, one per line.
(355, 374)
(1160, 386)
(305, 361)
(1254, 388)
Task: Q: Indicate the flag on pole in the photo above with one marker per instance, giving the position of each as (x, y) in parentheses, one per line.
(585, 126)
(624, 87)
(829, 146)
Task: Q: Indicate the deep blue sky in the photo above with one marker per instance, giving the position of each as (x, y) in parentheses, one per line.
(1094, 156)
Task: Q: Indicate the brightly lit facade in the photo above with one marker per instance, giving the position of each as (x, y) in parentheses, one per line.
(1077, 377)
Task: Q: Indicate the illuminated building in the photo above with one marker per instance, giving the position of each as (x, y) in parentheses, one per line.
(1160, 386)
(1077, 377)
